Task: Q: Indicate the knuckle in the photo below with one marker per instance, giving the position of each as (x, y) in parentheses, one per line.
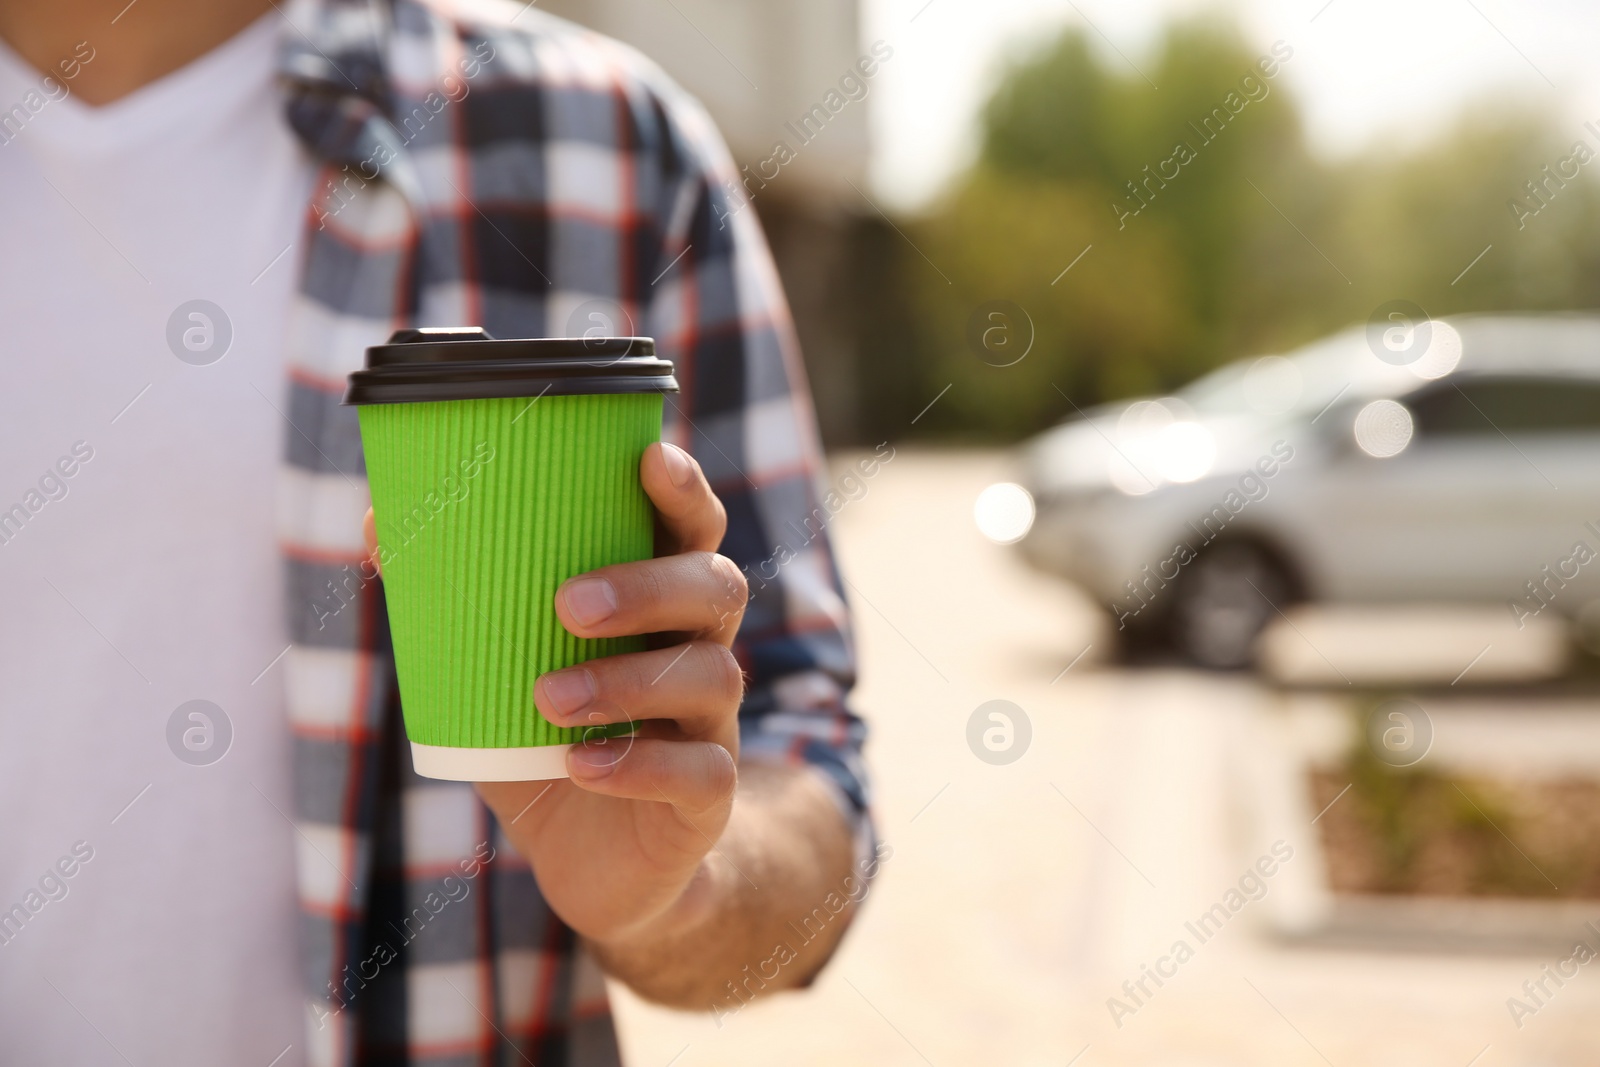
(738, 587)
(718, 773)
(722, 668)
(733, 589)
(719, 515)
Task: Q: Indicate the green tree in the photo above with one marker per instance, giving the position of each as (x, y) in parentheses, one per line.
(1155, 175)
(1412, 223)
(1108, 327)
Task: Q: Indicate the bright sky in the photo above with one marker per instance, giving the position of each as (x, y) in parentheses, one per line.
(1366, 72)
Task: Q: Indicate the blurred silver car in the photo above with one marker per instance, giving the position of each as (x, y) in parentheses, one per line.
(1435, 460)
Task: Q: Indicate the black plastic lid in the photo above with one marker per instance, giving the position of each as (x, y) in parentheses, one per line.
(465, 363)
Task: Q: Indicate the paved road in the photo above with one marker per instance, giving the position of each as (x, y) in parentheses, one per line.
(1020, 897)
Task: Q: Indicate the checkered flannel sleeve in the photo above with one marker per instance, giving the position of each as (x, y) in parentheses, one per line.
(719, 313)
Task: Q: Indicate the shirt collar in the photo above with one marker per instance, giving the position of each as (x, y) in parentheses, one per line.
(332, 62)
(336, 47)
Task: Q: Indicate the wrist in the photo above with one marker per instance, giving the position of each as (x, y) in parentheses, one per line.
(695, 908)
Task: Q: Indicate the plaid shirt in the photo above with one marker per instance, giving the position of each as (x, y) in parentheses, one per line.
(503, 168)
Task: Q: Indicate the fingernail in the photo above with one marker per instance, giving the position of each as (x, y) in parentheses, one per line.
(595, 761)
(679, 469)
(590, 601)
(568, 691)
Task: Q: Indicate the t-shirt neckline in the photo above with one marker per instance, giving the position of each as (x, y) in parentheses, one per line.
(209, 85)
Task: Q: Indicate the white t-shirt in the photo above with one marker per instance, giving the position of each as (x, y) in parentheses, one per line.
(139, 568)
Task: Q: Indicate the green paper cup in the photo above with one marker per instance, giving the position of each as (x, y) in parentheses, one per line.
(499, 469)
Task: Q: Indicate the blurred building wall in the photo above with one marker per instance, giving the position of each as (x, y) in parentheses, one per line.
(760, 66)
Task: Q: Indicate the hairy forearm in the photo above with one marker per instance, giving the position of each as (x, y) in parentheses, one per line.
(759, 915)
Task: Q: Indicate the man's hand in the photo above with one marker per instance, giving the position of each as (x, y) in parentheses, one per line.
(618, 848)
(678, 886)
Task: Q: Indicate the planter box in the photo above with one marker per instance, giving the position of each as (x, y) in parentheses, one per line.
(1520, 736)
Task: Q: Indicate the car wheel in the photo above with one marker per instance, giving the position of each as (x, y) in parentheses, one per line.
(1222, 601)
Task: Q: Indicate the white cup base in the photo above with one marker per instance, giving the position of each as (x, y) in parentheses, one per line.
(490, 764)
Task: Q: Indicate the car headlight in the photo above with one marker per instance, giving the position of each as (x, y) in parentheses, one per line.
(1004, 512)
(1383, 428)
(1184, 452)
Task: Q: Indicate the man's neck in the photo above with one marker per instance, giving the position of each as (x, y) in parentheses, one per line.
(134, 44)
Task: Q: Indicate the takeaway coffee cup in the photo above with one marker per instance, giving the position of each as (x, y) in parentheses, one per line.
(499, 469)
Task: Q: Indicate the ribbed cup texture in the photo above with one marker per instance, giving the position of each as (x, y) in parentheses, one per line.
(484, 507)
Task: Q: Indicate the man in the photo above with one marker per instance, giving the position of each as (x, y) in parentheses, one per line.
(209, 210)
